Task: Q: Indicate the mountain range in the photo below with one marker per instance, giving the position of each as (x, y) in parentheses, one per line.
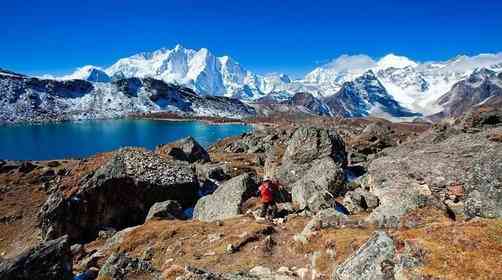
(393, 87)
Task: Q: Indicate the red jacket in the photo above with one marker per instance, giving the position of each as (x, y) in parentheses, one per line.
(267, 190)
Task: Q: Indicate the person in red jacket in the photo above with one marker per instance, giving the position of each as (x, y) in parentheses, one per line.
(268, 192)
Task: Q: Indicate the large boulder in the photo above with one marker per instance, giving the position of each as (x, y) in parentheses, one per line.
(186, 149)
(319, 186)
(51, 260)
(306, 145)
(374, 260)
(227, 200)
(119, 194)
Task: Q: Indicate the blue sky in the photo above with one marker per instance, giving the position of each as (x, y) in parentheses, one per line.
(264, 36)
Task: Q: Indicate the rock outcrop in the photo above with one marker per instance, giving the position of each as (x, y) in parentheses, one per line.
(51, 260)
(118, 195)
(186, 149)
(444, 169)
(312, 167)
(373, 260)
(226, 201)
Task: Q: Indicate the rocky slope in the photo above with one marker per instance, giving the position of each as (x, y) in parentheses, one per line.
(418, 203)
(31, 99)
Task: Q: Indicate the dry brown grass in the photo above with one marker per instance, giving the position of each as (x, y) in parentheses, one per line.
(458, 250)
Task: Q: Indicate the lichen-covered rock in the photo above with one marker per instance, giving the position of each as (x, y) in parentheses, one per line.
(306, 145)
(51, 260)
(118, 195)
(359, 200)
(186, 149)
(373, 260)
(319, 186)
(165, 210)
(226, 201)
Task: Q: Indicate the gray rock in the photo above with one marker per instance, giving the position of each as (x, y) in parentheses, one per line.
(186, 149)
(420, 173)
(360, 200)
(306, 145)
(374, 260)
(326, 218)
(118, 195)
(226, 201)
(319, 186)
(212, 171)
(166, 210)
(51, 260)
(120, 266)
(310, 143)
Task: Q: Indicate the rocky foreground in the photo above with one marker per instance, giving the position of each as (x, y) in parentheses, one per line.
(424, 203)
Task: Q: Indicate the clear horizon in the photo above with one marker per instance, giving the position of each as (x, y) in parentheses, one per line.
(57, 37)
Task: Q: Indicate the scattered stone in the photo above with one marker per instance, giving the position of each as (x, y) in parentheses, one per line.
(51, 260)
(213, 237)
(166, 210)
(27, 167)
(326, 218)
(120, 266)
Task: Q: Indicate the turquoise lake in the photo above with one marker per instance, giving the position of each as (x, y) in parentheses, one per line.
(84, 138)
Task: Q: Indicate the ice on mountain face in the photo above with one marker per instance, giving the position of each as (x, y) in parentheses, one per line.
(395, 61)
(89, 73)
(199, 70)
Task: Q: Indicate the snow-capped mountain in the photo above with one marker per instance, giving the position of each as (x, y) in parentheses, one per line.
(25, 98)
(414, 86)
(199, 70)
(89, 73)
(366, 96)
(482, 86)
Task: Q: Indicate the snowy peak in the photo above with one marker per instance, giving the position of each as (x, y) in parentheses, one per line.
(89, 73)
(395, 61)
(199, 70)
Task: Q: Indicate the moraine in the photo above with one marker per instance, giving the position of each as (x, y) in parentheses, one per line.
(83, 138)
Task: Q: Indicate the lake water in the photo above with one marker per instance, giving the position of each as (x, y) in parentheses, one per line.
(84, 138)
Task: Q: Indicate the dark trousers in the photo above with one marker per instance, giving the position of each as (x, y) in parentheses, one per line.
(268, 210)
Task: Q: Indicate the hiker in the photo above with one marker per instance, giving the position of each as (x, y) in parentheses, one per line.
(268, 191)
(89, 274)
